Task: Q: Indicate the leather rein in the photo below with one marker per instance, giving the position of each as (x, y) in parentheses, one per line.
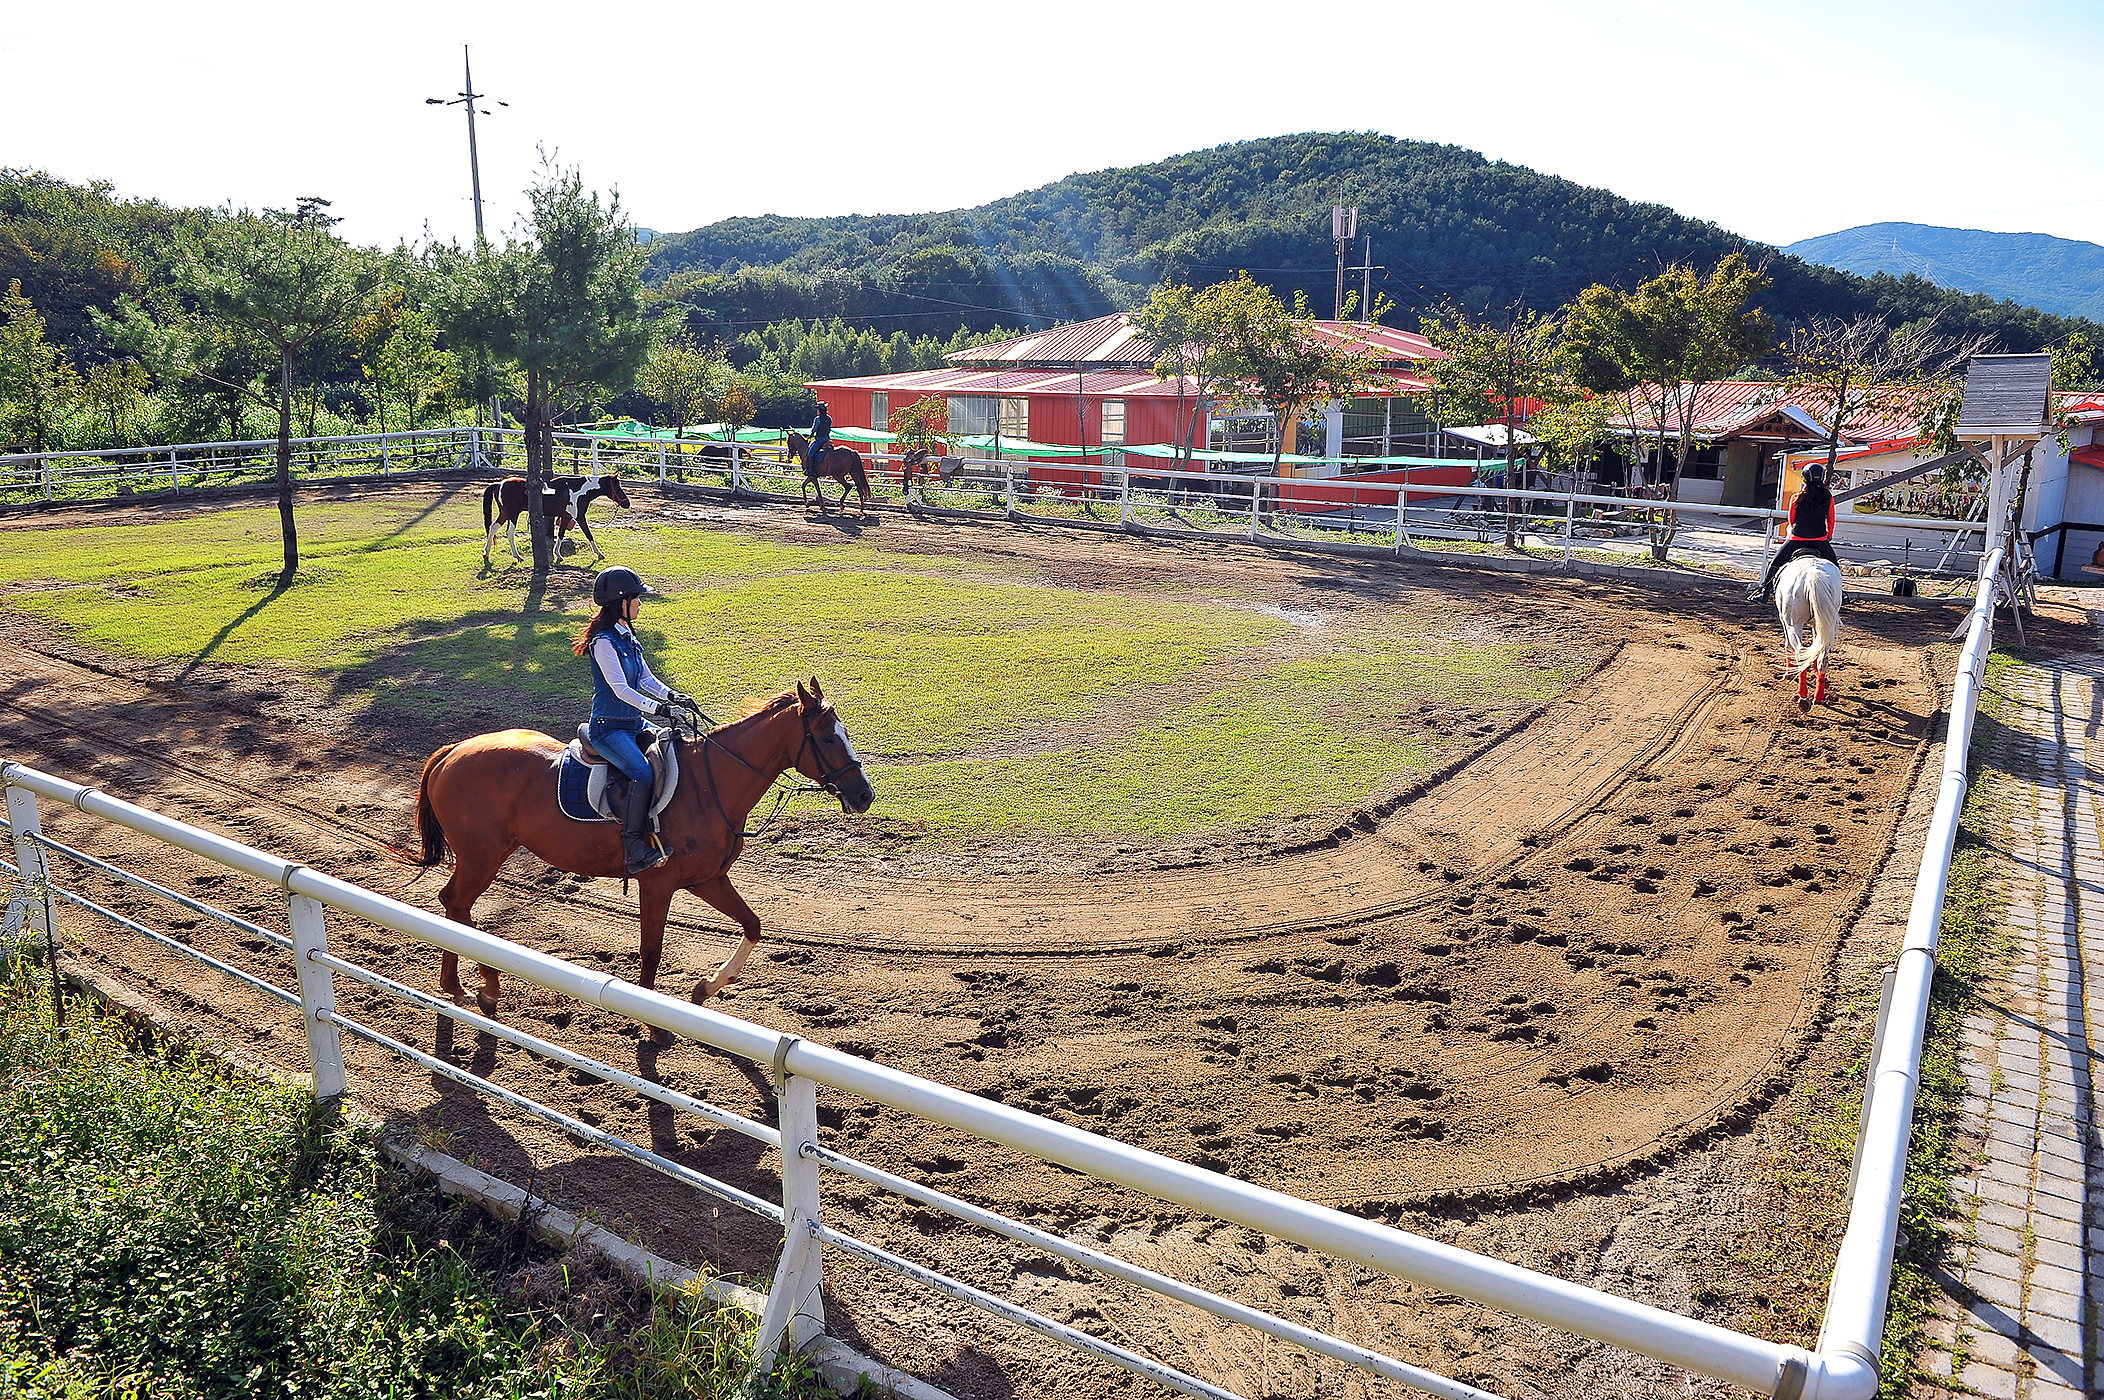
(829, 782)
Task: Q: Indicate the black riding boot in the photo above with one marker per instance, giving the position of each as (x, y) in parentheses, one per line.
(638, 851)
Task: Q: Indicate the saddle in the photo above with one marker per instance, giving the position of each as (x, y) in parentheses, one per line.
(590, 789)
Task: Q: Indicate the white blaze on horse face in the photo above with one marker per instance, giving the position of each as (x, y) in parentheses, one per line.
(845, 742)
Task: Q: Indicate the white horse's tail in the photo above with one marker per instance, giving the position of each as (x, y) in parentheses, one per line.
(1823, 587)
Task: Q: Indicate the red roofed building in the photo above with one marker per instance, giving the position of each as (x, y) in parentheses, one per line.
(1090, 384)
(1742, 427)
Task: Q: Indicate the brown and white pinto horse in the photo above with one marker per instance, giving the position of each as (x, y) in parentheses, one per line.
(566, 499)
(841, 464)
(484, 798)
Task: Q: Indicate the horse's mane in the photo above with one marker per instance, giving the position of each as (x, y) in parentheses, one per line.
(760, 704)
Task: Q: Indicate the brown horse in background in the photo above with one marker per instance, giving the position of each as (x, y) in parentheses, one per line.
(924, 462)
(487, 796)
(841, 464)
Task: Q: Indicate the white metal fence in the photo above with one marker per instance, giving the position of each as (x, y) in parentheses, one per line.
(128, 471)
(1561, 525)
(1843, 1367)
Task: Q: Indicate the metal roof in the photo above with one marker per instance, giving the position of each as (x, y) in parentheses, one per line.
(2006, 396)
(1731, 408)
(1112, 340)
(1121, 383)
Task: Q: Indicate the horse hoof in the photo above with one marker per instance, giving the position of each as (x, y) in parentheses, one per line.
(486, 1004)
(658, 1035)
(702, 992)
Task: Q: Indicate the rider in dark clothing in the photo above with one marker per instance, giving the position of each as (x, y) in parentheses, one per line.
(821, 435)
(1811, 528)
(623, 691)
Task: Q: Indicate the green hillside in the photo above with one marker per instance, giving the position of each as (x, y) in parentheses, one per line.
(1446, 222)
(2060, 275)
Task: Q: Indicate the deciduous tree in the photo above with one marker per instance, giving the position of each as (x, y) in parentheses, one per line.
(280, 280)
(1271, 355)
(682, 378)
(1664, 344)
(1862, 368)
(116, 391)
(562, 301)
(38, 384)
(1489, 367)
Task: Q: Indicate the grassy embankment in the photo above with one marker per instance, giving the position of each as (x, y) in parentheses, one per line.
(950, 670)
(172, 1229)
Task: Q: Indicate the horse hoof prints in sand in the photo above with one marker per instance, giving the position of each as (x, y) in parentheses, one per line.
(487, 796)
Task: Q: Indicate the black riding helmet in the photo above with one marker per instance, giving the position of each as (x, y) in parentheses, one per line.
(1815, 476)
(617, 585)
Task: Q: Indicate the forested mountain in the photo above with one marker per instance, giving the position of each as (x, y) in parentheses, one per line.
(1447, 223)
(2060, 275)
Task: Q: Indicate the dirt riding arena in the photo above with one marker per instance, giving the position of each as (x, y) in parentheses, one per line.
(1526, 1007)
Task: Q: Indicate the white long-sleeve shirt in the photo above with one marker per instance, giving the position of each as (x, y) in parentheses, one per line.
(648, 689)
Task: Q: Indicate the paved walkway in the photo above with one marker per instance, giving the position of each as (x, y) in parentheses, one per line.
(2020, 1315)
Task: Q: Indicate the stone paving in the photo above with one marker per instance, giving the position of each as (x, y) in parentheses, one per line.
(2019, 1312)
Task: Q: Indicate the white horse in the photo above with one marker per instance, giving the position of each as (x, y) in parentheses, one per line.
(1808, 596)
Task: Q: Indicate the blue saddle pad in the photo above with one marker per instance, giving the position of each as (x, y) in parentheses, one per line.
(570, 779)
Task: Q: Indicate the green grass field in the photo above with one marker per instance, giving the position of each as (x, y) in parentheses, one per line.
(949, 669)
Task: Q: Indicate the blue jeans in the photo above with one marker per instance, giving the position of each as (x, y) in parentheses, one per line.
(619, 747)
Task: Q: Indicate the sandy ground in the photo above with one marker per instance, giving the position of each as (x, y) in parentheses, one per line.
(1520, 1007)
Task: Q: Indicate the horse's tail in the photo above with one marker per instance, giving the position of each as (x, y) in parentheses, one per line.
(489, 504)
(1825, 588)
(854, 465)
(430, 835)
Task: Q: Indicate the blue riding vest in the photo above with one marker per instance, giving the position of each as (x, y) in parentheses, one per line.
(610, 711)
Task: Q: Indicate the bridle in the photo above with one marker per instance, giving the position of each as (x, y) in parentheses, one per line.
(829, 778)
(829, 782)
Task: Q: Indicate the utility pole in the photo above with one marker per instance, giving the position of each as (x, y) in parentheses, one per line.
(1367, 267)
(1344, 231)
(468, 98)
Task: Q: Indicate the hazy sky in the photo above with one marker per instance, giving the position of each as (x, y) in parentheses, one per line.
(1779, 118)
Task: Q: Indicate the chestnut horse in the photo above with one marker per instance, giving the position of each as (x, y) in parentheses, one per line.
(841, 464)
(487, 796)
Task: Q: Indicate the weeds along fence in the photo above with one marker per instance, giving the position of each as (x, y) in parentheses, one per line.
(1844, 1365)
(1561, 525)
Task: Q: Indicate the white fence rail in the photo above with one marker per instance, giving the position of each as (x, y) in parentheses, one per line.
(1338, 511)
(75, 476)
(1843, 1368)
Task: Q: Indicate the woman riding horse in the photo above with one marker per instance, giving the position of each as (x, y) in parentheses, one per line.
(1811, 529)
(623, 691)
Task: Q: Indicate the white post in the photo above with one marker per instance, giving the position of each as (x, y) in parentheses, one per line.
(317, 995)
(47, 478)
(383, 454)
(36, 913)
(1402, 505)
(736, 477)
(1125, 497)
(1008, 476)
(795, 1313)
(1255, 495)
(1570, 515)
(661, 461)
(173, 484)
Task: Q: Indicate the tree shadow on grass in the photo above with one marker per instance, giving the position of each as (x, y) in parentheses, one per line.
(204, 653)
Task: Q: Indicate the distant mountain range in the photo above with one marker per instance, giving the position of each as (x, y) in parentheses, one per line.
(1447, 224)
(2060, 275)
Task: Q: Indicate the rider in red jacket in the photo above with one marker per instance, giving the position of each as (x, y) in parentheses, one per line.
(1811, 528)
